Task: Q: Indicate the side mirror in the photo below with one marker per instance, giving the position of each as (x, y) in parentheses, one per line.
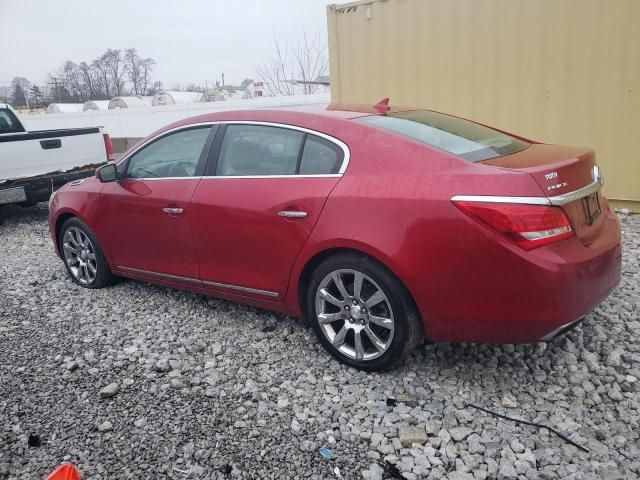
(107, 173)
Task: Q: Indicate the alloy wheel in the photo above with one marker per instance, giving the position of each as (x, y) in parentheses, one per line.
(80, 255)
(354, 314)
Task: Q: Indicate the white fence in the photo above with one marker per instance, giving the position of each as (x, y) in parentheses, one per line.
(141, 121)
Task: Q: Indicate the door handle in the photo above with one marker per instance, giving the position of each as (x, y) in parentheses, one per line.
(49, 144)
(171, 211)
(292, 214)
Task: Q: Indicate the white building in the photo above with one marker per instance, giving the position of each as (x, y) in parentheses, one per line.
(175, 98)
(128, 102)
(96, 105)
(65, 107)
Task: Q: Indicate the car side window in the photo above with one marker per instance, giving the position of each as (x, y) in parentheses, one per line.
(174, 155)
(257, 150)
(320, 157)
(9, 123)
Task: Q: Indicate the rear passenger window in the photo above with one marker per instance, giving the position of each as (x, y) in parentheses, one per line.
(320, 157)
(257, 150)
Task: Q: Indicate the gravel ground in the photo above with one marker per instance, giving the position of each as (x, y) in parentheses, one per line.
(139, 381)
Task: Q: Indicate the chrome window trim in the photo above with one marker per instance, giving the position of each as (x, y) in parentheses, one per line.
(196, 281)
(320, 175)
(558, 200)
(160, 135)
(343, 146)
(156, 179)
(339, 143)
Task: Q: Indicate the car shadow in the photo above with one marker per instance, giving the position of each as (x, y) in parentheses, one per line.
(16, 214)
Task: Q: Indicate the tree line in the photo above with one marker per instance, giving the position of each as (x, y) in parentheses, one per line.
(112, 74)
(292, 69)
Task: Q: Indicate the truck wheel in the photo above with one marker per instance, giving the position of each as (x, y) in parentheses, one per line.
(361, 313)
(83, 257)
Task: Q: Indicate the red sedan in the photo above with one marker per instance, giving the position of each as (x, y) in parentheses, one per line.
(382, 229)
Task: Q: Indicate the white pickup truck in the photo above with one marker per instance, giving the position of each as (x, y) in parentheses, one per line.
(33, 164)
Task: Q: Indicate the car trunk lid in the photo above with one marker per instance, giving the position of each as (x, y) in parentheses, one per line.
(560, 171)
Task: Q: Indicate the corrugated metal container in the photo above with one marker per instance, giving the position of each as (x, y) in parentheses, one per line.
(558, 71)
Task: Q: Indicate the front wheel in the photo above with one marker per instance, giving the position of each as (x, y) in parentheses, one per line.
(83, 257)
(361, 313)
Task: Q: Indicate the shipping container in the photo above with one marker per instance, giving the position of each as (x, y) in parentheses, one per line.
(557, 71)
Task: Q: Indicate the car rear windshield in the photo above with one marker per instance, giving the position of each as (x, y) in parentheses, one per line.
(463, 138)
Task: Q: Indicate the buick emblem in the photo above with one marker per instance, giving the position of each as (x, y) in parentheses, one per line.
(596, 174)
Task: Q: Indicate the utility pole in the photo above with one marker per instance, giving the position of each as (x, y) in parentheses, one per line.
(223, 79)
(55, 85)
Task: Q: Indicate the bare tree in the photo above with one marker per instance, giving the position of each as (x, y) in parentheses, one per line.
(277, 72)
(101, 68)
(116, 69)
(311, 61)
(71, 79)
(105, 77)
(145, 78)
(138, 71)
(288, 66)
(89, 78)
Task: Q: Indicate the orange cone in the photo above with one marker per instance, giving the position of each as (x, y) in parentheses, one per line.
(64, 472)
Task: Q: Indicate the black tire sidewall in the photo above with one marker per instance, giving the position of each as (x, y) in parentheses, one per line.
(104, 276)
(405, 314)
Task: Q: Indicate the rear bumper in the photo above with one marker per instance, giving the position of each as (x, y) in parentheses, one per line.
(505, 295)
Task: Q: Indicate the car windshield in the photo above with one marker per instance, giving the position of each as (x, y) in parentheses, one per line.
(463, 138)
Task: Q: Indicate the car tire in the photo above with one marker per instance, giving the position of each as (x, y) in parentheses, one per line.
(83, 258)
(390, 342)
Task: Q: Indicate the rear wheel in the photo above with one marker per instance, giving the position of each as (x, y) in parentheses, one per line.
(361, 312)
(83, 257)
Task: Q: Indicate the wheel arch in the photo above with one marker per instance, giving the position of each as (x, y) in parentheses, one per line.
(318, 257)
(63, 217)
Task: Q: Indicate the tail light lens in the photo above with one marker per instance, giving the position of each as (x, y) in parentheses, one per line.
(108, 146)
(528, 226)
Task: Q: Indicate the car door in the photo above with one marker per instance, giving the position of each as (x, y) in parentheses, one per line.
(264, 190)
(146, 221)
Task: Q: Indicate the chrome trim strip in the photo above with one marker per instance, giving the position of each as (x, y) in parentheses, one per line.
(576, 194)
(158, 274)
(292, 214)
(498, 199)
(221, 177)
(266, 293)
(557, 200)
(168, 276)
(157, 179)
(339, 143)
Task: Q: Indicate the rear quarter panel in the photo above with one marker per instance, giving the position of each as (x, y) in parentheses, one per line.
(393, 203)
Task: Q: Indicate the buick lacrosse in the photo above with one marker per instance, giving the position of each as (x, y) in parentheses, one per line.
(382, 228)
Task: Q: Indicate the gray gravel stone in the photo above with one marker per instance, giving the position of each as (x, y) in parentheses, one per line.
(110, 390)
(410, 434)
(205, 388)
(105, 426)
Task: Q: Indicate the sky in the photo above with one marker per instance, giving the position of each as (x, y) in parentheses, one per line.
(192, 41)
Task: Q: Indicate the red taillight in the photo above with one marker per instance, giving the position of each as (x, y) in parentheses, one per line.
(528, 226)
(108, 146)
